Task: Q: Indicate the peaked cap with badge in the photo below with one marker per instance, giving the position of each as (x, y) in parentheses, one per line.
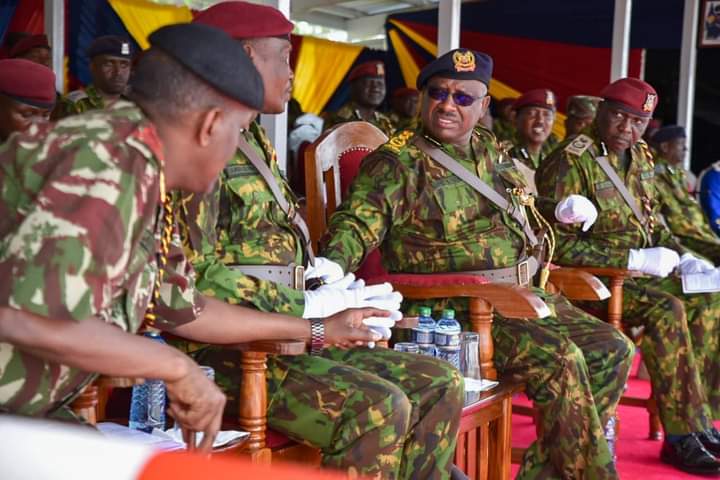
(582, 106)
(540, 97)
(214, 56)
(460, 64)
(246, 20)
(633, 95)
(111, 45)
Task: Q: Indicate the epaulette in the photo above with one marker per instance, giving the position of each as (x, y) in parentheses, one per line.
(647, 153)
(579, 145)
(399, 140)
(76, 95)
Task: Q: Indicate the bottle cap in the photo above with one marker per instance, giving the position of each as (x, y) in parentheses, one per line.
(448, 313)
(425, 311)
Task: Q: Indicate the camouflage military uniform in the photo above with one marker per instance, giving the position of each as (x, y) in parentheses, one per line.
(79, 226)
(683, 213)
(503, 129)
(516, 149)
(400, 123)
(424, 219)
(375, 411)
(79, 101)
(680, 340)
(349, 113)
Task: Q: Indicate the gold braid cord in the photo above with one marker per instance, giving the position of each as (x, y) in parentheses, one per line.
(528, 200)
(166, 230)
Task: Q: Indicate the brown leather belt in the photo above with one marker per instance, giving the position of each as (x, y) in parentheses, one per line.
(519, 274)
(291, 275)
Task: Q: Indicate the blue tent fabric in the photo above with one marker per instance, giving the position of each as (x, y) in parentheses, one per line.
(654, 23)
(7, 10)
(87, 21)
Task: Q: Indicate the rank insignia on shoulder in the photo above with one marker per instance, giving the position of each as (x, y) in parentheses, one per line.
(76, 95)
(397, 142)
(579, 145)
(505, 145)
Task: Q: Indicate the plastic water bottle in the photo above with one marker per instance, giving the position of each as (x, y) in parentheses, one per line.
(147, 406)
(447, 338)
(424, 333)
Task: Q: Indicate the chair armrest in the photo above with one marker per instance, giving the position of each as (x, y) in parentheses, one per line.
(509, 300)
(611, 272)
(577, 284)
(273, 347)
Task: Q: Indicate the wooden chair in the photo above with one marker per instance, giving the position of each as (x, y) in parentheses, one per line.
(483, 446)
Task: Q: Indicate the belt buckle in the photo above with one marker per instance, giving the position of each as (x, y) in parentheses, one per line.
(523, 273)
(298, 279)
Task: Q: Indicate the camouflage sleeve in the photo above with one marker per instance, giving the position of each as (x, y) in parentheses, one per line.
(559, 177)
(214, 278)
(68, 254)
(378, 196)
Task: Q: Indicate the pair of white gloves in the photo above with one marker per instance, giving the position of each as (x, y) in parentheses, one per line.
(340, 292)
(657, 261)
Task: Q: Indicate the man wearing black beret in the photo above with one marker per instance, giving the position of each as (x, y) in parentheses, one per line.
(425, 218)
(87, 227)
(110, 61)
(682, 212)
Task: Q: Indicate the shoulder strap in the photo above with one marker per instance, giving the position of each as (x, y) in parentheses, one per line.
(620, 186)
(477, 184)
(269, 178)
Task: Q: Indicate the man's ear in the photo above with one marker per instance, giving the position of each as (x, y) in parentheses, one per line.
(209, 121)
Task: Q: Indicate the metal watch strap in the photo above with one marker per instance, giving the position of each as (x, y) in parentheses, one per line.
(317, 336)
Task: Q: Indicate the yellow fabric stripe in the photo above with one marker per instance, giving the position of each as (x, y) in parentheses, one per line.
(321, 66)
(142, 17)
(408, 67)
(428, 45)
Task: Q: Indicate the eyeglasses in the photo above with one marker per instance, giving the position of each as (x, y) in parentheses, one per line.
(461, 99)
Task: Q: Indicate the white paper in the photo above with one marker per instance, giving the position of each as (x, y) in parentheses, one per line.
(701, 282)
(223, 438)
(121, 432)
(479, 385)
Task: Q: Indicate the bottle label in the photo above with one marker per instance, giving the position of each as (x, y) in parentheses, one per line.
(423, 336)
(447, 339)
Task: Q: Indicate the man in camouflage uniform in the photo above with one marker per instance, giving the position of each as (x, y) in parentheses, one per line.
(110, 59)
(367, 92)
(534, 119)
(27, 95)
(85, 222)
(352, 404)
(581, 110)
(404, 104)
(679, 208)
(425, 219)
(680, 340)
(504, 122)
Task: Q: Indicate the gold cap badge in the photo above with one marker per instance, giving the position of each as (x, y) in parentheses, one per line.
(464, 61)
(649, 102)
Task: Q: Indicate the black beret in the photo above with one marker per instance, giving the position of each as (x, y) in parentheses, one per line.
(215, 57)
(461, 64)
(110, 45)
(670, 132)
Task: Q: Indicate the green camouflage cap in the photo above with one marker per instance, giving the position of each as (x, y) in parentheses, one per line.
(582, 106)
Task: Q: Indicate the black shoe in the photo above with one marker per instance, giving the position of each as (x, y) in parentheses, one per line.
(689, 455)
(710, 439)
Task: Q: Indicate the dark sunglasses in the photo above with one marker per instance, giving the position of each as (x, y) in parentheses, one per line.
(460, 99)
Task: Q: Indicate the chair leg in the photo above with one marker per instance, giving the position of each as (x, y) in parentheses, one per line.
(655, 426)
(499, 441)
(252, 414)
(85, 405)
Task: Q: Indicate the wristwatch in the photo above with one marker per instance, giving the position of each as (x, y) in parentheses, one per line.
(317, 336)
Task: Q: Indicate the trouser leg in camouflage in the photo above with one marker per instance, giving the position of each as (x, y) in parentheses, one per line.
(575, 368)
(680, 349)
(378, 412)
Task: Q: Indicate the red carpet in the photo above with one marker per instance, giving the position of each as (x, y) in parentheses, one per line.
(638, 457)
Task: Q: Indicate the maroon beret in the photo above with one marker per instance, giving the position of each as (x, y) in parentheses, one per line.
(27, 82)
(404, 92)
(246, 20)
(632, 94)
(367, 69)
(28, 43)
(540, 97)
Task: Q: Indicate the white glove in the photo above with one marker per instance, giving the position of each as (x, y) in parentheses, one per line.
(689, 263)
(658, 261)
(336, 297)
(576, 209)
(382, 325)
(325, 269)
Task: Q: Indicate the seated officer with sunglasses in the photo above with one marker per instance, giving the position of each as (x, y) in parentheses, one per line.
(426, 219)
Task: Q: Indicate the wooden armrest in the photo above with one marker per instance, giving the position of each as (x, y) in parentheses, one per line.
(407, 322)
(274, 347)
(509, 300)
(610, 271)
(117, 382)
(577, 284)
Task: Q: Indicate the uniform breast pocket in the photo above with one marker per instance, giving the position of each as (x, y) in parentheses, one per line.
(611, 208)
(247, 201)
(461, 208)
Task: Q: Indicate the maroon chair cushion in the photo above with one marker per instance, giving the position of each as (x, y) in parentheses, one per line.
(275, 439)
(349, 163)
(372, 267)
